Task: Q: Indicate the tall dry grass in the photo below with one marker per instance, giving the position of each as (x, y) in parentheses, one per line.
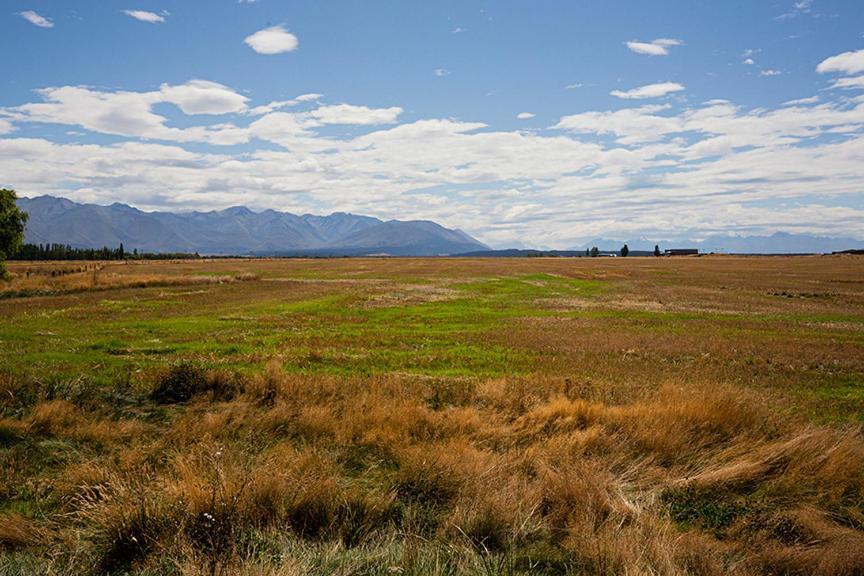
(290, 473)
(52, 279)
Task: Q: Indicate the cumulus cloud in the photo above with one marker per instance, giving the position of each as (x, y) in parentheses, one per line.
(770, 72)
(658, 47)
(131, 113)
(441, 72)
(273, 40)
(847, 63)
(203, 97)
(525, 115)
(144, 16)
(36, 19)
(649, 91)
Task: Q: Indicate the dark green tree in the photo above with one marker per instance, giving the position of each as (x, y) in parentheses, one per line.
(12, 222)
(595, 251)
(625, 251)
(656, 250)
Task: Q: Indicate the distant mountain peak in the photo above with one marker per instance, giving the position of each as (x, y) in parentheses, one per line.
(236, 230)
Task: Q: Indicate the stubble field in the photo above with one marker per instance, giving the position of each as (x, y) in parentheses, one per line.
(433, 416)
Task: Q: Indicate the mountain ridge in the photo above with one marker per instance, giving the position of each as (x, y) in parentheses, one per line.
(236, 230)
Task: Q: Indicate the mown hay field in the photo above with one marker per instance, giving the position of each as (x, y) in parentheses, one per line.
(433, 416)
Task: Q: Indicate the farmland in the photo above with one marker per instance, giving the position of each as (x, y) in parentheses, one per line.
(433, 416)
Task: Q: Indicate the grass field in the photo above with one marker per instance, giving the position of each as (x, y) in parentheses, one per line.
(433, 416)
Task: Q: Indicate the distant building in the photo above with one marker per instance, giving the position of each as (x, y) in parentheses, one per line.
(681, 252)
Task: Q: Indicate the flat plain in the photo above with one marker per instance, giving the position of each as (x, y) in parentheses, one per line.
(433, 416)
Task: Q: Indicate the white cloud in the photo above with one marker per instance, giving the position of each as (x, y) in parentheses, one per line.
(6, 126)
(280, 104)
(802, 101)
(770, 72)
(525, 115)
(658, 47)
(309, 97)
(204, 97)
(144, 16)
(749, 62)
(271, 107)
(574, 86)
(36, 19)
(130, 113)
(854, 82)
(357, 115)
(441, 72)
(847, 62)
(273, 40)
(631, 125)
(649, 91)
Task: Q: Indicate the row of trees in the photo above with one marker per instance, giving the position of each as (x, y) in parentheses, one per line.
(624, 252)
(66, 252)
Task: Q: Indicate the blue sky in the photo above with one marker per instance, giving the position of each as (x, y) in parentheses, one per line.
(543, 123)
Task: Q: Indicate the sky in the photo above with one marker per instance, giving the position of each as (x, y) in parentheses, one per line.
(523, 122)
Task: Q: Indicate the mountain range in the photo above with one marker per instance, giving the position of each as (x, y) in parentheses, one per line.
(235, 231)
(241, 231)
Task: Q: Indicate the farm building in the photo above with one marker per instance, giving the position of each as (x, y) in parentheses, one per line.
(681, 252)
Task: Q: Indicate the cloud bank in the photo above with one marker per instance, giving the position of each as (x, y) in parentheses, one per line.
(641, 169)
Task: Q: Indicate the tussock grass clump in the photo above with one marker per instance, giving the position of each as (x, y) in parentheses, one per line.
(17, 531)
(183, 381)
(179, 384)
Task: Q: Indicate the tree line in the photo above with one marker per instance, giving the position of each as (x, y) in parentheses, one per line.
(66, 252)
(594, 252)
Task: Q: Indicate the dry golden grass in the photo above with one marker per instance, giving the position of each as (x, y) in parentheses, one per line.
(59, 278)
(575, 485)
